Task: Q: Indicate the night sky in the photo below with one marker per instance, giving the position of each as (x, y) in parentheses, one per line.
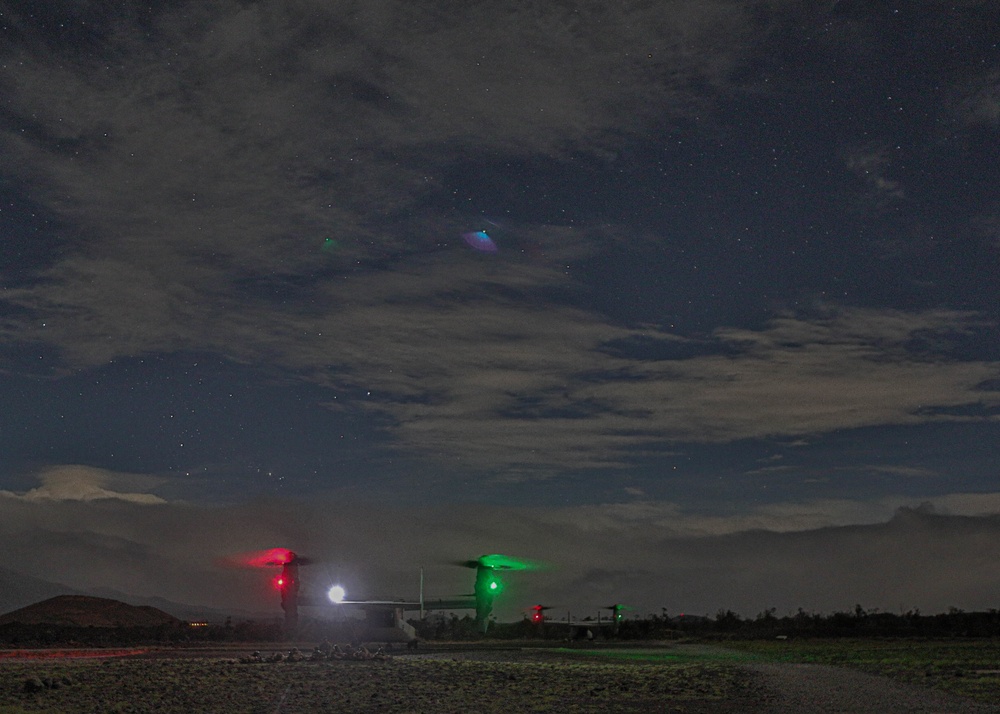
(694, 301)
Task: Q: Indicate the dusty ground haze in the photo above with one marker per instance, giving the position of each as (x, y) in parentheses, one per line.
(678, 677)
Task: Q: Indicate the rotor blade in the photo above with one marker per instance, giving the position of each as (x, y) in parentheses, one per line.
(465, 563)
(496, 561)
(261, 558)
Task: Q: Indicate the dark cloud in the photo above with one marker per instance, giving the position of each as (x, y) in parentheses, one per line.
(649, 555)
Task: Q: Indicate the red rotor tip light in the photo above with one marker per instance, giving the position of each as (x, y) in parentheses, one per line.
(272, 557)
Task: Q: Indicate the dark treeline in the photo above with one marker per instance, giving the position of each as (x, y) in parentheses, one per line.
(20, 635)
(724, 625)
(729, 625)
(855, 623)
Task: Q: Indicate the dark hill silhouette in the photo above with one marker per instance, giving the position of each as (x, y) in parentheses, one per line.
(18, 590)
(86, 611)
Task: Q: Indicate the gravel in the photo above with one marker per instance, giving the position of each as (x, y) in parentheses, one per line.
(821, 689)
(690, 679)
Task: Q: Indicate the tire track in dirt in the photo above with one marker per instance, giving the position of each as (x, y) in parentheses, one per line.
(823, 689)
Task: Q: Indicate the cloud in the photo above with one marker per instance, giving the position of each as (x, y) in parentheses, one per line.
(909, 472)
(987, 229)
(178, 158)
(873, 165)
(84, 483)
(821, 555)
(194, 164)
(474, 362)
(494, 380)
(245, 134)
(968, 504)
(981, 101)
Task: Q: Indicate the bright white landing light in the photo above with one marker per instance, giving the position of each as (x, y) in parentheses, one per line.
(336, 594)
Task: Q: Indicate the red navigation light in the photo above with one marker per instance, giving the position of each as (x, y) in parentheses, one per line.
(279, 582)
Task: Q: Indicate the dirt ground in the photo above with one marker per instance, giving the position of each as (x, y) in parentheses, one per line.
(458, 679)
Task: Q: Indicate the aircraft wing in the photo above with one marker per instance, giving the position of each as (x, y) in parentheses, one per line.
(462, 604)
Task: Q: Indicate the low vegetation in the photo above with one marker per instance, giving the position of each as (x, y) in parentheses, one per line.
(526, 666)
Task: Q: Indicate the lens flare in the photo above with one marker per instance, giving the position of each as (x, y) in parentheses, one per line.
(480, 241)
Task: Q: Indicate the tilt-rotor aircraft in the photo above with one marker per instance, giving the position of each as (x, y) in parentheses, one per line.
(385, 616)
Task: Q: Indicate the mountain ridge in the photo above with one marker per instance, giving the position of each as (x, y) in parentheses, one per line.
(89, 611)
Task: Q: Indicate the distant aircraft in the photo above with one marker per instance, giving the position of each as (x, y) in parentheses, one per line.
(616, 615)
(538, 614)
(386, 618)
